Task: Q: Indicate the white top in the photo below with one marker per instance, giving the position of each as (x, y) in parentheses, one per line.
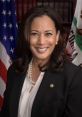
(27, 96)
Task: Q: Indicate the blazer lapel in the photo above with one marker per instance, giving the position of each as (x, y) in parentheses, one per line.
(15, 95)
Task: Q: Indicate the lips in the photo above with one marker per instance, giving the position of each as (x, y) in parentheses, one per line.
(42, 50)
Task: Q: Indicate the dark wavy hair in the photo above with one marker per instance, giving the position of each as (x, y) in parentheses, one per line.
(22, 50)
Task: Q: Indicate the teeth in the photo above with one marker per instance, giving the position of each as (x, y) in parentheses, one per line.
(42, 49)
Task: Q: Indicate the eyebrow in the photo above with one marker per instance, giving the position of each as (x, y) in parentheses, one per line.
(44, 31)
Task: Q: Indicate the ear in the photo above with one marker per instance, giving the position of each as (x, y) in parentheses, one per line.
(57, 37)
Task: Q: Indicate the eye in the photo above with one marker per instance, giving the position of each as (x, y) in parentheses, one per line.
(48, 34)
(33, 33)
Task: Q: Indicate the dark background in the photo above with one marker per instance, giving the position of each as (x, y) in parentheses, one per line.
(65, 8)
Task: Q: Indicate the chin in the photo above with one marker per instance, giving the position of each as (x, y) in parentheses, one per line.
(43, 58)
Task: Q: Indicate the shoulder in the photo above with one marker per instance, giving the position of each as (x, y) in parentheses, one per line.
(70, 68)
(72, 72)
(11, 71)
(13, 74)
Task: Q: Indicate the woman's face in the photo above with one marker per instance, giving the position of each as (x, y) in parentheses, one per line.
(43, 37)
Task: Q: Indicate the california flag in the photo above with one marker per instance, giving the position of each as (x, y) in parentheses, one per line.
(74, 45)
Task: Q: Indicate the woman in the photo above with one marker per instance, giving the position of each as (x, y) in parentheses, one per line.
(41, 82)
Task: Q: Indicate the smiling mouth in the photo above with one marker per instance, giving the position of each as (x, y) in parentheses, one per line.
(42, 50)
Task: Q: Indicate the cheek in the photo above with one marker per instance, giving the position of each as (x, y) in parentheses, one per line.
(52, 41)
(32, 41)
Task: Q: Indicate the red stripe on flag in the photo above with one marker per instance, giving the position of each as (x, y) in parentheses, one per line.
(3, 71)
(1, 101)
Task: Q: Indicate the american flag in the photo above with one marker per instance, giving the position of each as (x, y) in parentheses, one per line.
(8, 32)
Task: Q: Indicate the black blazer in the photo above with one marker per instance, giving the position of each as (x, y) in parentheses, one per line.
(59, 95)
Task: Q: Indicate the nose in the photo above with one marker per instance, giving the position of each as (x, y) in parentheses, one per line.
(41, 39)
